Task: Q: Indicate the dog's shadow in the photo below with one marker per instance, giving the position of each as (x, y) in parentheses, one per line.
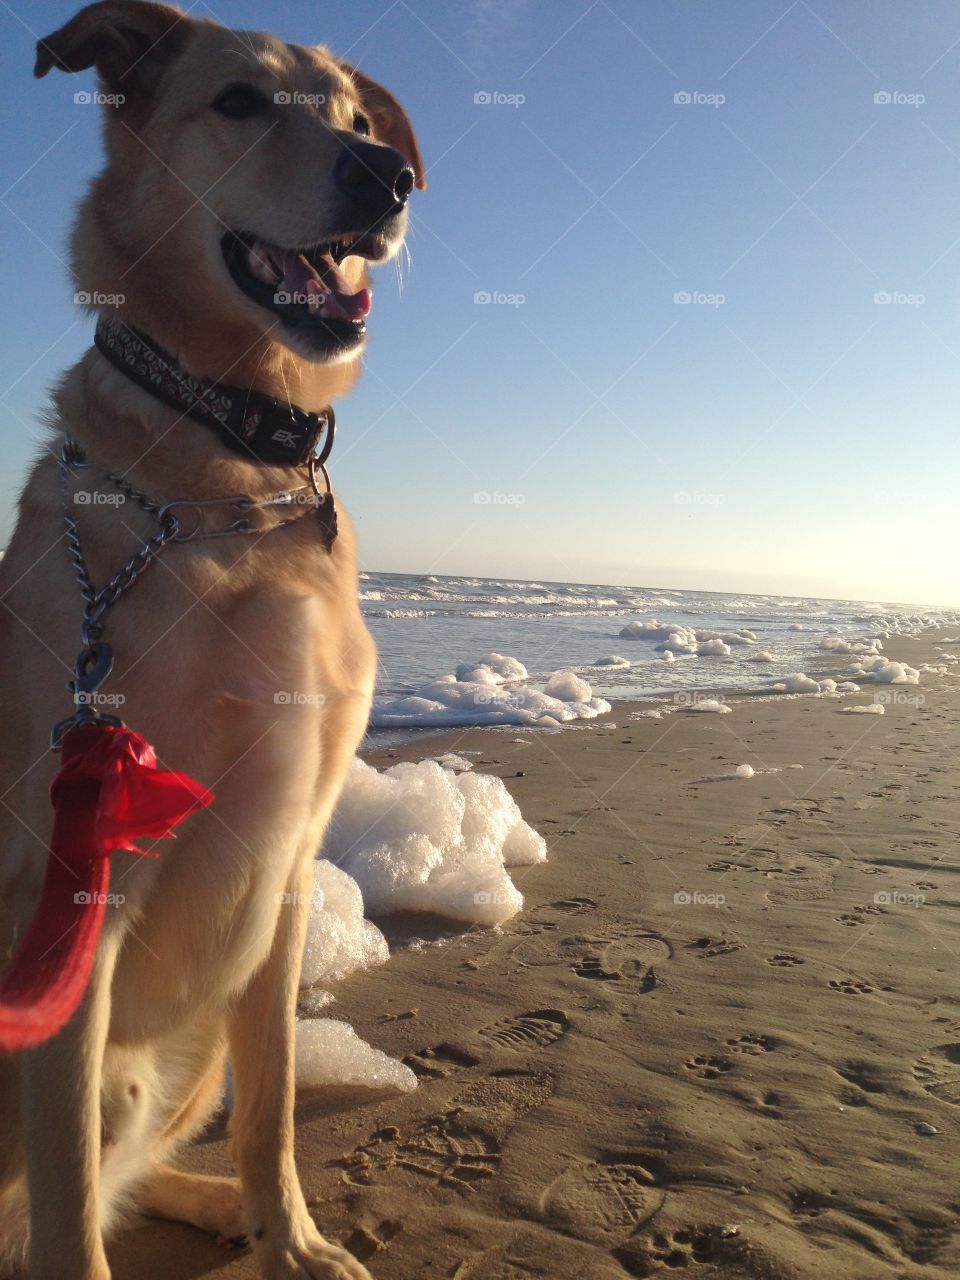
(172, 1251)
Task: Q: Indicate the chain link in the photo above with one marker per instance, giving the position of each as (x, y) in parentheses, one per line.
(97, 601)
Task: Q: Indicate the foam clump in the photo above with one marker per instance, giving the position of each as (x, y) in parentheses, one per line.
(680, 640)
(709, 705)
(417, 837)
(884, 671)
(450, 760)
(495, 668)
(331, 1053)
(494, 691)
(837, 644)
(339, 940)
(685, 641)
(568, 687)
(871, 709)
(745, 771)
(652, 630)
(614, 660)
(763, 656)
(796, 682)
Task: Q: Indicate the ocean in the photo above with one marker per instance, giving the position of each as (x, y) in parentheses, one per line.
(428, 626)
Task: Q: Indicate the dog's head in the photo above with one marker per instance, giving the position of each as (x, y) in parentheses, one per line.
(248, 185)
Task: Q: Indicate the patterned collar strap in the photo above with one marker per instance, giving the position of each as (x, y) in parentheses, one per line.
(259, 427)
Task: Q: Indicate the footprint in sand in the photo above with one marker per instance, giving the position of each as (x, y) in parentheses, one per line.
(526, 1033)
(850, 986)
(783, 960)
(573, 906)
(859, 915)
(938, 1071)
(365, 1243)
(708, 1068)
(531, 1253)
(460, 1148)
(708, 948)
(622, 955)
(866, 1076)
(750, 1043)
(543, 919)
(686, 1246)
(628, 962)
(603, 1201)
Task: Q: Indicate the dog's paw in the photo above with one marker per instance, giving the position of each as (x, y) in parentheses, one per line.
(312, 1259)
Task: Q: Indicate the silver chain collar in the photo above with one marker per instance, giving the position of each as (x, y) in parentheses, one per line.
(95, 661)
(96, 601)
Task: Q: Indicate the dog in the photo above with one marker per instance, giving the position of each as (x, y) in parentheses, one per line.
(249, 185)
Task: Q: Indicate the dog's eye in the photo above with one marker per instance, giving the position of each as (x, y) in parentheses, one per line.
(361, 125)
(238, 101)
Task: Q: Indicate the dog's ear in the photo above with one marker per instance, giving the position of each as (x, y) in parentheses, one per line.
(391, 124)
(129, 42)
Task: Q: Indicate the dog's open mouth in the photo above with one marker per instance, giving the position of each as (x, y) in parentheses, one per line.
(304, 288)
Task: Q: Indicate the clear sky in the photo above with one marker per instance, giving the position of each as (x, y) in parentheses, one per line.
(786, 166)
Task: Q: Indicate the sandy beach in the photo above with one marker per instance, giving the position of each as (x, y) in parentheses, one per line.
(722, 1037)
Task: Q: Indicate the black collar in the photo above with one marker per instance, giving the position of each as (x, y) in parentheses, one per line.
(256, 425)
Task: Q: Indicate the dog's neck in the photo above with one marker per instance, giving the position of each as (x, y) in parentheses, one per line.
(122, 422)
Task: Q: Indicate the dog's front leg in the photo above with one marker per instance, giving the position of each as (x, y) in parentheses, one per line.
(61, 1108)
(262, 1047)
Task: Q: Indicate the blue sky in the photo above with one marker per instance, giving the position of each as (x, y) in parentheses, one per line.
(794, 171)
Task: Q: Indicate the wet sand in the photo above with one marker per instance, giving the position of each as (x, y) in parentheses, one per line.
(714, 1041)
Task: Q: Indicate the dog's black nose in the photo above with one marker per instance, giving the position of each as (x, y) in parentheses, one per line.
(374, 177)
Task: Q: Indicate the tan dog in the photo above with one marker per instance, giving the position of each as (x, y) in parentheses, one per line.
(227, 153)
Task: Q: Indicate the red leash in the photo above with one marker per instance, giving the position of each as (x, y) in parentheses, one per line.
(107, 793)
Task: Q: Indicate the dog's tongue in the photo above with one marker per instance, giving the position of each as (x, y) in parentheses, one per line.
(328, 284)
